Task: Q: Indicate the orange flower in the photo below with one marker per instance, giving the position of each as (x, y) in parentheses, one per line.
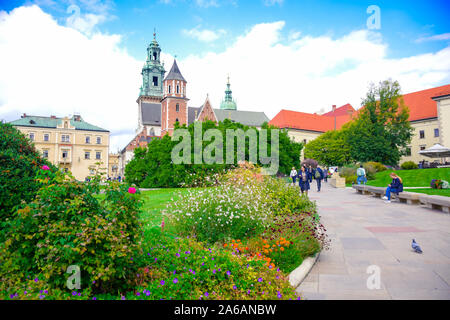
(225, 244)
(282, 249)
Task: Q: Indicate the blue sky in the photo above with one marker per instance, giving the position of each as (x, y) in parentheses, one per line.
(402, 22)
(61, 57)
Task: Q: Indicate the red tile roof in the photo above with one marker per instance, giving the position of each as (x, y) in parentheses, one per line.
(341, 111)
(420, 104)
(307, 121)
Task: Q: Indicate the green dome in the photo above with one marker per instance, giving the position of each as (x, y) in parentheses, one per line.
(228, 103)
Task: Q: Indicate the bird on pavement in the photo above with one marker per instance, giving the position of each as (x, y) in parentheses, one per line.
(416, 247)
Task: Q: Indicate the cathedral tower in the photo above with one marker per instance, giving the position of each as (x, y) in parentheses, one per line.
(228, 103)
(174, 103)
(152, 74)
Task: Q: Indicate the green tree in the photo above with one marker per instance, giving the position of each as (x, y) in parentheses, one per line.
(19, 163)
(329, 149)
(153, 166)
(382, 130)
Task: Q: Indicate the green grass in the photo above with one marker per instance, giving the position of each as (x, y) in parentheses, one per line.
(411, 178)
(439, 192)
(155, 201)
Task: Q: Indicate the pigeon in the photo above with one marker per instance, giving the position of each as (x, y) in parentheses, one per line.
(415, 246)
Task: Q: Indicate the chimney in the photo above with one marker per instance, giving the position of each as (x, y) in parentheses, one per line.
(53, 117)
(24, 115)
(333, 108)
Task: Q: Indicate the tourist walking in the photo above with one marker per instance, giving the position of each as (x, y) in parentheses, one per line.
(396, 186)
(318, 176)
(303, 179)
(325, 174)
(361, 175)
(310, 171)
(293, 175)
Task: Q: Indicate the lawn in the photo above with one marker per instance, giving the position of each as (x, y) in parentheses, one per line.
(411, 178)
(439, 192)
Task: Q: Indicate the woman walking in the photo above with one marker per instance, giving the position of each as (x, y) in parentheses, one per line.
(293, 175)
(396, 186)
(303, 179)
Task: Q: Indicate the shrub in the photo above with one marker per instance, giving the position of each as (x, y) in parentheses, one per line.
(350, 179)
(409, 165)
(377, 165)
(68, 223)
(19, 162)
(370, 171)
(436, 184)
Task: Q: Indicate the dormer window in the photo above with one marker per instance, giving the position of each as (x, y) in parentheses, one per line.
(32, 122)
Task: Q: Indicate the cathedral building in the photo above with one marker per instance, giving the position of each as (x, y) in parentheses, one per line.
(163, 101)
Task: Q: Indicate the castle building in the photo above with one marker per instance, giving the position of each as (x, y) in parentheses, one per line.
(69, 143)
(163, 101)
(429, 116)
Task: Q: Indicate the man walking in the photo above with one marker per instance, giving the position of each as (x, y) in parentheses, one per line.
(361, 175)
(318, 175)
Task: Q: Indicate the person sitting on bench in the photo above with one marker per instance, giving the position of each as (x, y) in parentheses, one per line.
(396, 187)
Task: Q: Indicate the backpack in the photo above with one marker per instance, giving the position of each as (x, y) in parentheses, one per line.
(317, 175)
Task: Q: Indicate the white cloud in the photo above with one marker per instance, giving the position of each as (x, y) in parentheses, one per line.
(206, 3)
(437, 37)
(204, 35)
(52, 69)
(273, 2)
(48, 69)
(306, 74)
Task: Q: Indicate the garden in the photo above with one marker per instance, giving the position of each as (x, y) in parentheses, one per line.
(238, 239)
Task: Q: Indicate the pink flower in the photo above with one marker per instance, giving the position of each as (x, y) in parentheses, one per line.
(45, 167)
(131, 190)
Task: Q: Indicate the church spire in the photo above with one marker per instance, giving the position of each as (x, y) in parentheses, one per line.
(152, 71)
(228, 103)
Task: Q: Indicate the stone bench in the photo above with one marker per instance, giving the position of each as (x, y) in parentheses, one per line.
(436, 202)
(409, 197)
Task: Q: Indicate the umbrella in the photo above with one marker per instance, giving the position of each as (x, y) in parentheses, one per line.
(436, 151)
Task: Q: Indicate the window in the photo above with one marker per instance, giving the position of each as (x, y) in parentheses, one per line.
(65, 154)
(178, 89)
(422, 147)
(66, 125)
(436, 133)
(155, 81)
(155, 56)
(88, 139)
(98, 155)
(177, 108)
(65, 138)
(176, 120)
(99, 140)
(31, 136)
(422, 134)
(46, 137)
(408, 151)
(170, 89)
(45, 154)
(87, 155)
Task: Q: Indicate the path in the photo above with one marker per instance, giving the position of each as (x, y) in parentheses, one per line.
(366, 231)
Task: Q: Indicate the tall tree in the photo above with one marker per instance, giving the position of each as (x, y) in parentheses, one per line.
(329, 149)
(381, 130)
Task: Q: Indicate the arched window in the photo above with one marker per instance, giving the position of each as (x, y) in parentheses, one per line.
(176, 120)
(155, 56)
(178, 89)
(170, 89)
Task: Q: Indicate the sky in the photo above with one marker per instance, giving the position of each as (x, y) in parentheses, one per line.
(85, 56)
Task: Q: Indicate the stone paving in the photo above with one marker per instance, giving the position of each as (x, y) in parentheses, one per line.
(366, 231)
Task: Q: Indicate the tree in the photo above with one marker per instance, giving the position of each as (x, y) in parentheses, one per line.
(19, 163)
(153, 166)
(381, 130)
(329, 149)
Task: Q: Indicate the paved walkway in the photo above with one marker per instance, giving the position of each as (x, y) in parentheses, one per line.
(365, 231)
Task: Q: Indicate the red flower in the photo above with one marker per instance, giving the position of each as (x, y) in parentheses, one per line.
(45, 167)
(131, 190)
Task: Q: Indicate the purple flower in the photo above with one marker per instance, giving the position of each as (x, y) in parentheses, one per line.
(206, 294)
(234, 287)
(94, 298)
(259, 279)
(156, 259)
(46, 291)
(177, 254)
(162, 282)
(214, 271)
(175, 280)
(229, 273)
(148, 293)
(36, 280)
(138, 293)
(248, 291)
(41, 296)
(123, 298)
(74, 293)
(279, 295)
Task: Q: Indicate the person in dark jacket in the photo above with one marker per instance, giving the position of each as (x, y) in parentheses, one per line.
(318, 176)
(396, 186)
(325, 174)
(311, 173)
(303, 179)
